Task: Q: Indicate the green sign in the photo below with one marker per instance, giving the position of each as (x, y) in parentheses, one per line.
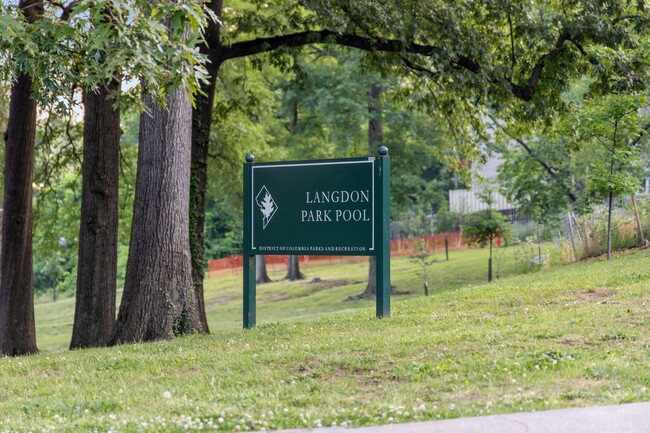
(327, 207)
(317, 207)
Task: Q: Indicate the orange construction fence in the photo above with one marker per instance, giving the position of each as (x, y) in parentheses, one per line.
(398, 247)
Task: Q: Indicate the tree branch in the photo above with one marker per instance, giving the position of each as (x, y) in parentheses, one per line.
(512, 48)
(644, 130)
(65, 10)
(526, 92)
(263, 45)
(417, 68)
(550, 170)
(626, 17)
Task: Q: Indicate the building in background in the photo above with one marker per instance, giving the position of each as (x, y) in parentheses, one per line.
(465, 201)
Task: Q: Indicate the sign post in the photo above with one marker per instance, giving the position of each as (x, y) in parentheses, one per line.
(324, 207)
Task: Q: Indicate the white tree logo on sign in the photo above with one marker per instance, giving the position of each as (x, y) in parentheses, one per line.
(267, 205)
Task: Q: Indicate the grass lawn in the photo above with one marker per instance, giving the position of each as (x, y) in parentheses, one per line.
(571, 336)
(284, 300)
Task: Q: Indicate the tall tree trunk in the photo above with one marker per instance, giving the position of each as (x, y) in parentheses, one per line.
(97, 263)
(261, 276)
(201, 124)
(293, 269)
(375, 139)
(17, 327)
(158, 300)
(201, 121)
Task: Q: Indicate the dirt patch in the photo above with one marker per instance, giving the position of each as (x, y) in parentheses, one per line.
(468, 396)
(317, 286)
(277, 296)
(221, 300)
(594, 295)
(574, 342)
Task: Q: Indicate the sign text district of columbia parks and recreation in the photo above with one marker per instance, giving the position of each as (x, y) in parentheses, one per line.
(317, 207)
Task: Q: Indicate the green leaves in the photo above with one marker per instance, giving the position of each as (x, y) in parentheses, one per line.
(97, 40)
(602, 182)
(484, 226)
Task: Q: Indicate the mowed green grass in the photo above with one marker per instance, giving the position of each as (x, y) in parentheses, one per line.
(284, 300)
(572, 336)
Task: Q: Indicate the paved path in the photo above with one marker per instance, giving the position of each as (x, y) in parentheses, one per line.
(627, 418)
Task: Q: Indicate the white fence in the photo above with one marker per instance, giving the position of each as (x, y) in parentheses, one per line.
(466, 201)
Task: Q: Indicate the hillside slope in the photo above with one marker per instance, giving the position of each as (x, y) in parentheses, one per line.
(574, 336)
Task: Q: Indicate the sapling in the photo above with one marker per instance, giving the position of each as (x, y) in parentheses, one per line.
(423, 258)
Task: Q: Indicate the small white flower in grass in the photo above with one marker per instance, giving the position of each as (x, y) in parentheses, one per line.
(167, 394)
(237, 427)
(220, 420)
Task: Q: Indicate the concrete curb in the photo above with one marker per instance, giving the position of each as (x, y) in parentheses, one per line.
(626, 418)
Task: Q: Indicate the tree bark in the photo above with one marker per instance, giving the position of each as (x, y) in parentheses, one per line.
(97, 263)
(375, 139)
(17, 327)
(158, 300)
(293, 269)
(201, 123)
(202, 119)
(261, 276)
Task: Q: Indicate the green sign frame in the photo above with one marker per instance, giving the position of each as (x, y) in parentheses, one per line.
(319, 207)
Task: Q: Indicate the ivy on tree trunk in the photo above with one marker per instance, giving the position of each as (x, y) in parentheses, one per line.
(375, 139)
(159, 300)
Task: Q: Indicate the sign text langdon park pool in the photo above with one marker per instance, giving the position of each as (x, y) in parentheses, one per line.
(335, 215)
